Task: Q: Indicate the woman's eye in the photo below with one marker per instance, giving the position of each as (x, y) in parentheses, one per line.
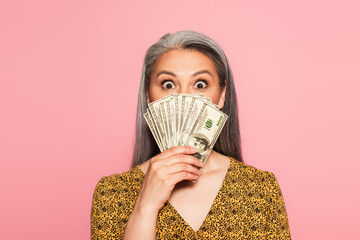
(168, 85)
(200, 84)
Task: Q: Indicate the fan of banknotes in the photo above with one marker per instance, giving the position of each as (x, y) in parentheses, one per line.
(185, 120)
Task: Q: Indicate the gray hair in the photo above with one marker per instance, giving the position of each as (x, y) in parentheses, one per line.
(228, 142)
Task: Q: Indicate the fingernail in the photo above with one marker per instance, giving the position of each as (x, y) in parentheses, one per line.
(193, 149)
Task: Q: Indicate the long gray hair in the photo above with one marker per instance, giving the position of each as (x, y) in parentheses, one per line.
(228, 142)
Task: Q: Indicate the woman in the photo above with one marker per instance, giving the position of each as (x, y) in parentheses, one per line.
(155, 200)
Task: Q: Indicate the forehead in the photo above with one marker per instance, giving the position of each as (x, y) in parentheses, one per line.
(180, 60)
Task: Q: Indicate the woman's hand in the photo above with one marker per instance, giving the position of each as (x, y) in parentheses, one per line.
(164, 171)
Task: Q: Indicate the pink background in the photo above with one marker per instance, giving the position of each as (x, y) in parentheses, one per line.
(69, 77)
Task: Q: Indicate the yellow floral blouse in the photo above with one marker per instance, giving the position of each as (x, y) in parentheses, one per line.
(249, 205)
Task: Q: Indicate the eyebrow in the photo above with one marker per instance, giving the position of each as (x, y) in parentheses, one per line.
(194, 75)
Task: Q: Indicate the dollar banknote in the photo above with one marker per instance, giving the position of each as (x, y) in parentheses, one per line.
(185, 120)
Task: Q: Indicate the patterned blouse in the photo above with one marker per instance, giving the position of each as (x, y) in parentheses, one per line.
(249, 205)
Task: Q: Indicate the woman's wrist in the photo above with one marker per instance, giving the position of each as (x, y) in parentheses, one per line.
(141, 224)
(145, 210)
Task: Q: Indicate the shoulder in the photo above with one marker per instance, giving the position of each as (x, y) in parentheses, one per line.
(113, 200)
(127, 182)
(255, 182)
(252, 175)
(261, 197)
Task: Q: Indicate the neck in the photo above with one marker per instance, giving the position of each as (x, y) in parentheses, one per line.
(214, 162)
